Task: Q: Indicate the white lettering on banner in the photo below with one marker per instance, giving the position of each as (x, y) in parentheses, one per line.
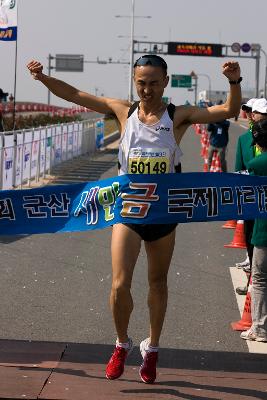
(138, 205)
(6, 209)
(105, 197)
(57, 205)
(186, 199)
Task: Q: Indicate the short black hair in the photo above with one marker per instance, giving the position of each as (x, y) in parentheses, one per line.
(151, 59)
(259, 133)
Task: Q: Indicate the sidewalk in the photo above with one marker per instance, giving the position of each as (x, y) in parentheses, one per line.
(76, 371)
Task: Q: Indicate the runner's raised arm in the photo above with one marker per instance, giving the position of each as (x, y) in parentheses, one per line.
(67, 92)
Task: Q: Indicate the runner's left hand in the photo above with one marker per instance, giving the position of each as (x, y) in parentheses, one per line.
(231, 70)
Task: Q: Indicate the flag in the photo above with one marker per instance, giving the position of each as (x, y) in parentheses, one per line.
(8, 20)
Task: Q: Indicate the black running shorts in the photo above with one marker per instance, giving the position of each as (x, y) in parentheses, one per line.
(151, 232)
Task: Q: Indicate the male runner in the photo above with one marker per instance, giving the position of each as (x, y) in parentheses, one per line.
(146, 128)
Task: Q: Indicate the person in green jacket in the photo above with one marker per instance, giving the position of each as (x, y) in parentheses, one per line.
(258, 166)
(256, 110)
(244, 153)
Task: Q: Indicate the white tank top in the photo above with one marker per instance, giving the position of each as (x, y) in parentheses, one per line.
(148, 149)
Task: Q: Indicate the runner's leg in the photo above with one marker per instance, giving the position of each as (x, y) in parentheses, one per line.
(159, 254)
(125, 248)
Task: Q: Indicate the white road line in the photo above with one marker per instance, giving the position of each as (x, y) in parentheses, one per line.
(239, 279)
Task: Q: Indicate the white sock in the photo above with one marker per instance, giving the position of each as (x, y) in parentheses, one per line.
(125, 345)
(152, 349)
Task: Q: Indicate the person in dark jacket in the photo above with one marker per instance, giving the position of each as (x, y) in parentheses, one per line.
(219, 138)
(258, 166)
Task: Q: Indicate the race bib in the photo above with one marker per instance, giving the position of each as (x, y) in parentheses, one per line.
(149, 161)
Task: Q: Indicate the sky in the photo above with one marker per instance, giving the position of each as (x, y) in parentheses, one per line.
(92, 29)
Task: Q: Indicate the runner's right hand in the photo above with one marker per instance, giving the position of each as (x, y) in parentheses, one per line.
(36, 69)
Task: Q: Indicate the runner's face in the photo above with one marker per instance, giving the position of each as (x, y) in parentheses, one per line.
(150, 83)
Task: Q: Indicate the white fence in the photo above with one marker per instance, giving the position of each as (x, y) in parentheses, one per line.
(30, 154)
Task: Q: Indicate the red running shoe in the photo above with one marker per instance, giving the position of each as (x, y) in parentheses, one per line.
(148, 371)
(116, 363)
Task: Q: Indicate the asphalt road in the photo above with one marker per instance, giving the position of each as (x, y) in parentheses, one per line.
(55, 287)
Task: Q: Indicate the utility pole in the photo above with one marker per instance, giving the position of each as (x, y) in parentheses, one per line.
(50, 58)
(265, 79)
(132, 42)
(130, 95)
(257, 70)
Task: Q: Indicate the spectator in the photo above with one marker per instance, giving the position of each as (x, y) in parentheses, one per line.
(256, 110)
(258, 166)
(219, 138)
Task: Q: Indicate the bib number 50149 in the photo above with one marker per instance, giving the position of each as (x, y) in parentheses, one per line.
(140, 167)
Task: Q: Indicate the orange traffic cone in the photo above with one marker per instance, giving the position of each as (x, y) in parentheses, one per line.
(213, 162)
(198, 129)
(231, 224)
(239, 240)
(246, 321)
(205, 166)
(204, 143)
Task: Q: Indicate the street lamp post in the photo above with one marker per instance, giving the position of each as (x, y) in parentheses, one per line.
(132, 16)
(265, 79)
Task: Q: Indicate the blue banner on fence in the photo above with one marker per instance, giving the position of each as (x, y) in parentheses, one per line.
(140, 199)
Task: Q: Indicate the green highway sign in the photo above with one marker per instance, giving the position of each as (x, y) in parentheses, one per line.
(182, 81)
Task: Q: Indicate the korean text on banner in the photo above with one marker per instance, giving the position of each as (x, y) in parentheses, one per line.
(8, 20)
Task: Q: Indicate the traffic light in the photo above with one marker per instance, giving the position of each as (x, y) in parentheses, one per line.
(3, 95)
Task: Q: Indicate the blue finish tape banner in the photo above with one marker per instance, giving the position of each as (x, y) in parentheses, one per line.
(140, 199)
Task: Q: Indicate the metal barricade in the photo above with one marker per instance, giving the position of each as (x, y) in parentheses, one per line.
(29, 155)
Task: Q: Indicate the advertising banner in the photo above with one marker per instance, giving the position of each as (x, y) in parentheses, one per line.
(8, 20)
(8, 162)
(19, 159)
(70, 141)
(138, 199)
(27, 148)
(35, 149)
